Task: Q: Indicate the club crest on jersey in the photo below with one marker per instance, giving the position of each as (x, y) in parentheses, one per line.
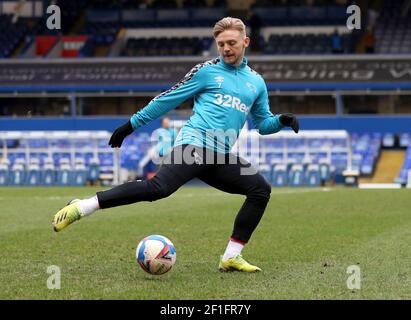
(219, 80)
(251, 87)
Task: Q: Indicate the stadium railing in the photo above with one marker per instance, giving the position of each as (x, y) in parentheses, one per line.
(310, 158)
(57, 158)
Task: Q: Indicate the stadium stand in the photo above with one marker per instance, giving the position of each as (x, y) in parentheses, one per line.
(102, 22)
(313, 158)
(366, 150)
(181, 28)
(166, 46)
(10, 40)
(406, 167)
(57, 158)
(300, 15)
(393, 29)
(304, 44)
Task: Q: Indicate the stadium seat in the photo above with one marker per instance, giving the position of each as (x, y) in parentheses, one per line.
(102, 15)
(325, 171)
(138, 18)
(388, 140)
(172, 17)
(79, 175)
(402, 177)
(313, 175)
(18, 173)
(265, 171)
(273, 15)
(93, 172)
(296, 176)
(64, 173)
(4, 173)
(405, 140)
(356, 161)
(367, 147)
(206, 16)
(48, 173)
(279, 176)
(10, 40)
(33, 176)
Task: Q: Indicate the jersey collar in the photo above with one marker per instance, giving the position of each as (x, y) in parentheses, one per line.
(233, 67)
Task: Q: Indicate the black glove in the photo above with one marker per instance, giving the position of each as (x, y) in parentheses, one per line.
(119, 134)
(290, 120)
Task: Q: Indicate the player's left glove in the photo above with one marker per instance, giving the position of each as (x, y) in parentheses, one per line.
(290, 120)
(119, 134)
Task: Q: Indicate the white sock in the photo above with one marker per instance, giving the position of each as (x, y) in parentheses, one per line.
(233, 249)
(88, 206)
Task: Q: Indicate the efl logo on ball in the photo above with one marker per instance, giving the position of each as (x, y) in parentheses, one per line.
(156, 254)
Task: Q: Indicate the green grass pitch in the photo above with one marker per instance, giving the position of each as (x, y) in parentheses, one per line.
(304, 244)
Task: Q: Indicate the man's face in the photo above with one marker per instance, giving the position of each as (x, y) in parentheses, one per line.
(231, 45)
(166, 123)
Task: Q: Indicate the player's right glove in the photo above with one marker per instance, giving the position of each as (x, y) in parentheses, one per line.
(290, 120)
(119, 134)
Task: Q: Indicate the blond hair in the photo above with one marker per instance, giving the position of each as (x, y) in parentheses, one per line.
(229, 23)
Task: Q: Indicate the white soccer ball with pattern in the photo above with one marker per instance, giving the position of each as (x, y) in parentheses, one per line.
(156, 254)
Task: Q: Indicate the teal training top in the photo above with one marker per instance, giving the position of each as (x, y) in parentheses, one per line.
(166, 139)
(224, 95)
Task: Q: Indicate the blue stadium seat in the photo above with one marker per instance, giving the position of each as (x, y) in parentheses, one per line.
(336, 14)
(93, 172)
(313, 175)
(79, 174)
(138, 18)
(10, 40)
(388, 140)
(325, 171)
(64, 173)
(173, 17)
(48, 173)
(18, 173)
(96, 15)
(16, 157)
(273, 15)
(58, 156)
(296, 176)
(274, 157)
(4, 173)
(265, 171)
(405, 139)
(356, 161)
(279, 175)
(406, 166)
(33, 176)
(206, 16)
(40, 156)
(106, 159)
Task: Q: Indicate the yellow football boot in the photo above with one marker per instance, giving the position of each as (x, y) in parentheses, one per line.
(236, 263)
(66, 216)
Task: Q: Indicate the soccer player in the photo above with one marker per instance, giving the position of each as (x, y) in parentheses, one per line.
(166, 137)
(225, 90)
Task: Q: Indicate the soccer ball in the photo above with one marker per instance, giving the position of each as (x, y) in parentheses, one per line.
(156, 254)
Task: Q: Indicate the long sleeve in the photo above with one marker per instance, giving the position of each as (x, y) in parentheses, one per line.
(189, 86)
(263, 119)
